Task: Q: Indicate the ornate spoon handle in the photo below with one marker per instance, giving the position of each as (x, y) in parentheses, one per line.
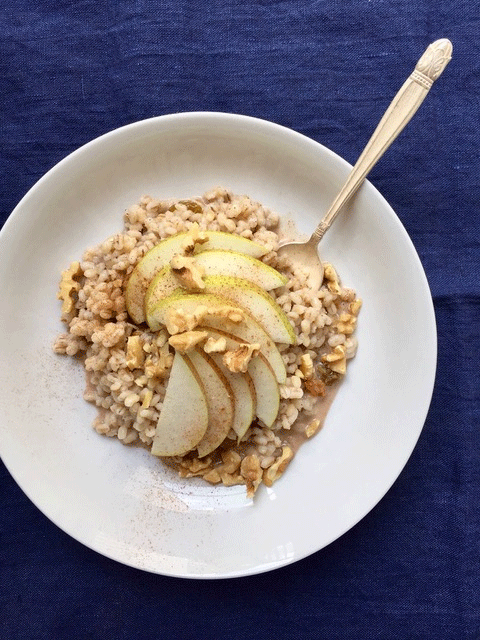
(401, 110)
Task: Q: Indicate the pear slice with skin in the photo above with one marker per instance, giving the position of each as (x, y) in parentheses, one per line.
(162, 285)
(266, 386)
(232, 263)
(248, 296)
(225, 263)
(257, 302)
(213, 263)
(244, 395)
(184, 417)
(248, 330)
(220, 400)
(161, 254)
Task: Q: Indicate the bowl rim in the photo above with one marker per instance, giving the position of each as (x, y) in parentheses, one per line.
(294, 136)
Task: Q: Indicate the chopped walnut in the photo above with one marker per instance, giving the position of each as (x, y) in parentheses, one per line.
(184, 342)
(194, 236)
(69, 287)
(315, 387)
(227, 472)
(191, 467)
(212, 476)
(252, 472)
(327, 375)
(135, 355)
(215, 345)
(336, 360)
(234, 314)
(330, 275)
(187, 272)
(275, 471)
(355, 306)
(157, 367)
(237, 360)
(231, 462)
(231, 480)
(312, 428)
(177, 321)
(346, 323)
(306, 366)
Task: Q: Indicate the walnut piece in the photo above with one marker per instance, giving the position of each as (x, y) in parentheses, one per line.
(237, 360)
(188, 272)
(212, 476)
(346, 323)
(177, 321)
(312, 428)
(315, 387)
(69, 287)
(330, 275)
(194, 236)
(252, 473)
(336, 360)
(275, 471)
(231, 480)
(306, 366)
(135, 355)
(229, 313)
(227, 472)
(327, 375)
(223, 312)
(158, 366)
(215, 345)
(184, 342)
(231, 462)
(355, 306)
(191, 467)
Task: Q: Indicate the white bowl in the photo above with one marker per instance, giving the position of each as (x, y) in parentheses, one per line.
(120, 501)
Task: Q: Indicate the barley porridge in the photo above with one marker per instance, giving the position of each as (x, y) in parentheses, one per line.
(129, 353)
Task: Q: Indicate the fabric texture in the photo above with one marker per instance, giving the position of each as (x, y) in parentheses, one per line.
(71, 70)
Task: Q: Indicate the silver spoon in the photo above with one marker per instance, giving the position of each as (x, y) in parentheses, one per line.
(401, 110)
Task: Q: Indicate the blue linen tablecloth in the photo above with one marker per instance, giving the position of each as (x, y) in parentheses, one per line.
(72, 70)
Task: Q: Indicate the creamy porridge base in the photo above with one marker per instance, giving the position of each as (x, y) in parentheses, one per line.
(129, 397)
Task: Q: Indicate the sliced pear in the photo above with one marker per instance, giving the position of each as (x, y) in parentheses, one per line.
(162, 285)
(232, 263)
(248, 329)
(220, 400)
(231, 242)
(257, 302)
(184, 417)
(266, 386)
(250, 297)
(163, 252)
(244, 395)
(216, 262)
